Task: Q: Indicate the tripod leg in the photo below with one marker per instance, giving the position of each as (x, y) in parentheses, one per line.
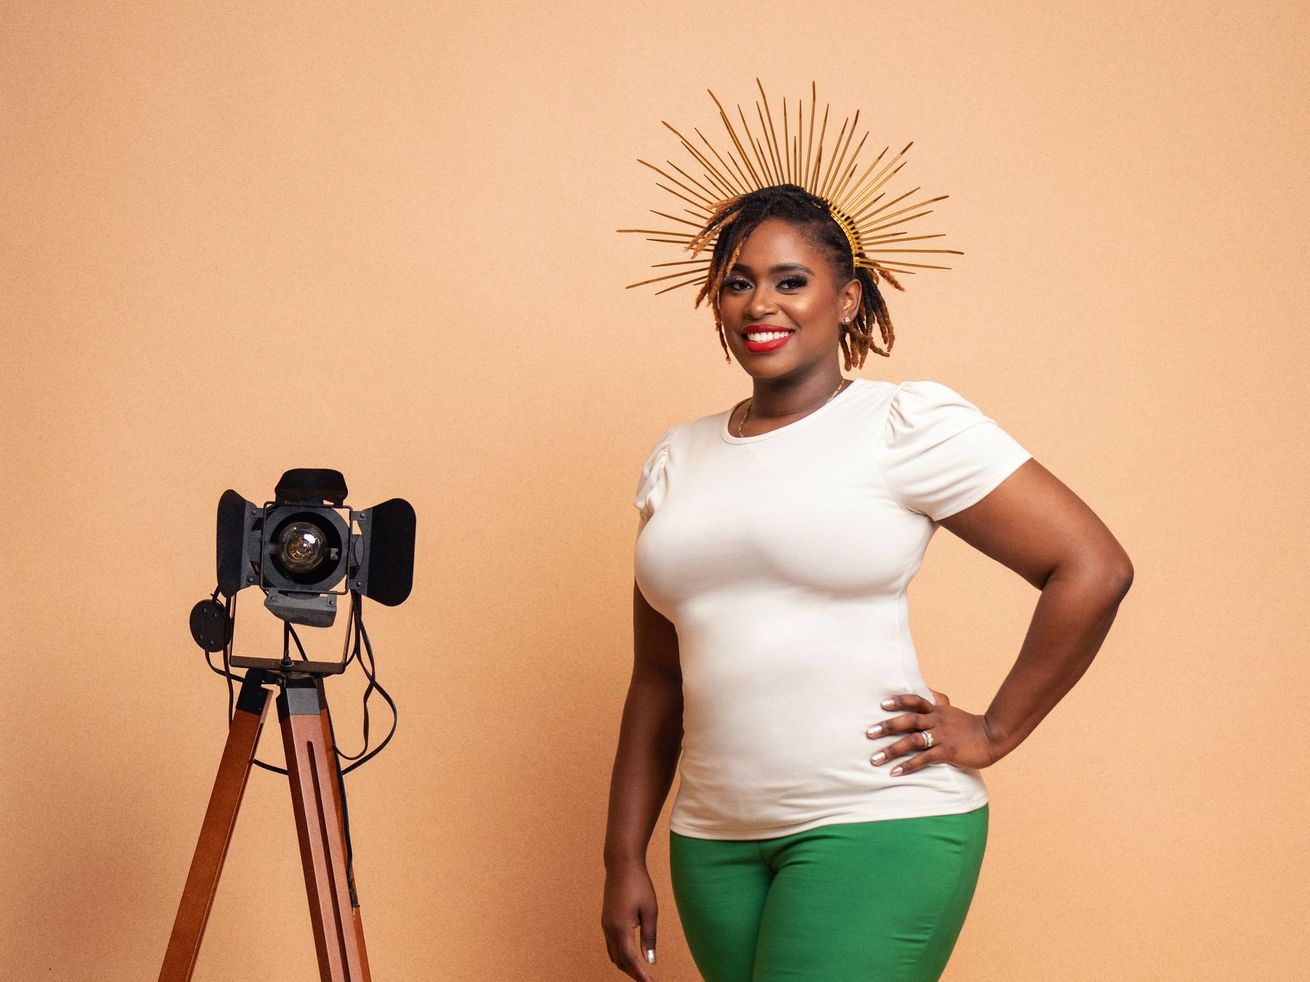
(312, 765)
(216, 832)
(341, 811)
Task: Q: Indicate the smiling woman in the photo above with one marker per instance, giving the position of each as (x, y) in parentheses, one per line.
(771, 637)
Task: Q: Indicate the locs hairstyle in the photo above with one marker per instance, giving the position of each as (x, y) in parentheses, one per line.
(795, 177)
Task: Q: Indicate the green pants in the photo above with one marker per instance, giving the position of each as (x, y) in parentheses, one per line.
(879, 901)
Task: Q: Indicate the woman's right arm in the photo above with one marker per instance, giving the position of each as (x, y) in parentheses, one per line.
(650, 740)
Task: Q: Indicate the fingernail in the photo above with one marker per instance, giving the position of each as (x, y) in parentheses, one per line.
(888, 703)
(875, 730)
(650, 955)
(896, 770)
(877, 758)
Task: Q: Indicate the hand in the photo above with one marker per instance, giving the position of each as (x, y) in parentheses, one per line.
(958, 737)
(629, 903)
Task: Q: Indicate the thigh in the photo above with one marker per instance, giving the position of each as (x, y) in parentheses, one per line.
(719, 887)
(871, 901)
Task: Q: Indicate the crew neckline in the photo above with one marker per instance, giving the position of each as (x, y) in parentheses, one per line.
(726, 418)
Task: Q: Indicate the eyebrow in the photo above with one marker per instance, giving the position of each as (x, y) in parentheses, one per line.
(779, 268)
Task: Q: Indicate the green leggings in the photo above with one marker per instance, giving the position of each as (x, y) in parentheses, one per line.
(879, 901)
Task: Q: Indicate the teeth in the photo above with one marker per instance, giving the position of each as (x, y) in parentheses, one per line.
(768, 336)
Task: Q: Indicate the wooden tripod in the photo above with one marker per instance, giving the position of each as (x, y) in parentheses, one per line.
(316, 800)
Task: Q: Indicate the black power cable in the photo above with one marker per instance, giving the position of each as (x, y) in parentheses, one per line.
(354, 626)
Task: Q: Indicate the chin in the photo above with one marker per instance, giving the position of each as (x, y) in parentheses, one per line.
(772, 368)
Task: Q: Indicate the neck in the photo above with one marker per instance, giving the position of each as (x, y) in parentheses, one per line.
(774, 398)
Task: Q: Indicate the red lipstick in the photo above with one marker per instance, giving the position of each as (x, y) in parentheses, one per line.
(758, 347)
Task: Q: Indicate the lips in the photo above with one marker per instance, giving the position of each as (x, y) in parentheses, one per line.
(771, 333)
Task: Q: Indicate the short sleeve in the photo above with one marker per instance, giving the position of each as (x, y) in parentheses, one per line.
(654, 479)
(940, 453)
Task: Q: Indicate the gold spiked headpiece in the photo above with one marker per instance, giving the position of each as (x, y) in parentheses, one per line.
(752, 162)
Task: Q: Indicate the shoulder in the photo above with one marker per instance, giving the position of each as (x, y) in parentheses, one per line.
(663, 445)
(924, 394)
(919, 408)
(658, 453)
(678, 442)
(654, 478)
(684, 434)
(939, 452)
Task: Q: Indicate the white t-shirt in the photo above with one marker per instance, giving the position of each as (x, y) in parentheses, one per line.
(783, 559)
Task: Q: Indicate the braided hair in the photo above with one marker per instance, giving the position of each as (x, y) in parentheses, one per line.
(736, 218)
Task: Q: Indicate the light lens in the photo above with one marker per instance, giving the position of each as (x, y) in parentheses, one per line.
(302, 546)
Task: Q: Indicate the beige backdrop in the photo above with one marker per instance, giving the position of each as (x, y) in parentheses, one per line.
(239, 238)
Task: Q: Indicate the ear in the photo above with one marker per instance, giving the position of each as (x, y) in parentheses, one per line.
(848, 299)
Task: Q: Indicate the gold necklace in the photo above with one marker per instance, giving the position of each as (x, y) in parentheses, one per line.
(746, 415)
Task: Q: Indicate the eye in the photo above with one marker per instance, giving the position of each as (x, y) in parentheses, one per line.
(792, 283)
(735, 284)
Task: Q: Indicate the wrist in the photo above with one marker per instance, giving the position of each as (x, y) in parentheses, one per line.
(624, 862)
(998, 735)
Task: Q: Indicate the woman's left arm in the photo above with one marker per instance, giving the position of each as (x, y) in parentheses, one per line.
(1035, 525)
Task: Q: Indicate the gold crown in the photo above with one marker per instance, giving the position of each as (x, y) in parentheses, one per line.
(753, 162)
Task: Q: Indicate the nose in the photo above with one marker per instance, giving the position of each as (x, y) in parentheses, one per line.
(761, 303)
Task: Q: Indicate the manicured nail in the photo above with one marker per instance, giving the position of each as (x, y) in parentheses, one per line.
(878, 758)
(650, 955)
(896, 769)
(874, 730)
(889, 703)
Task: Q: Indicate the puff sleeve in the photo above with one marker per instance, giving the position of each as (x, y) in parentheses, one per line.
(940, 453)
(654, 478)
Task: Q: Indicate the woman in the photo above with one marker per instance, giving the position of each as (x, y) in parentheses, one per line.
(830, 823)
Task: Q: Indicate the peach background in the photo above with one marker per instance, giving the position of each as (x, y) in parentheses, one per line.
(239, 238)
